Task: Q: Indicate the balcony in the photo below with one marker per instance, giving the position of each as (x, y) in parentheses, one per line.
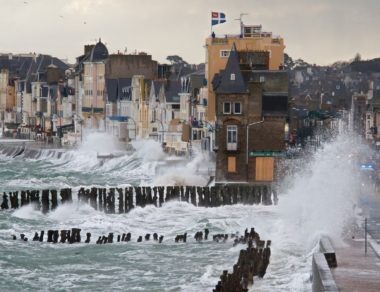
(231, 146)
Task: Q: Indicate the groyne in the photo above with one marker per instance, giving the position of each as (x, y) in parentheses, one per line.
(252, 261)
(122, 200)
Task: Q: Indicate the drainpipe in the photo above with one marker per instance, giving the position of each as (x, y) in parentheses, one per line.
(248, 125)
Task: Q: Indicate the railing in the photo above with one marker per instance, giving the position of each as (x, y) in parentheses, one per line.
(219, 41)
(231, 146)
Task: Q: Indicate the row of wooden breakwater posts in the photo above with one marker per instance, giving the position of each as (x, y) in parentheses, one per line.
(252, 261)
(125, 199)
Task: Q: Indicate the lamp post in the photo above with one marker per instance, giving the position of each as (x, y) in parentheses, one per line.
(249, 125)
(80, 121)
(3, 118)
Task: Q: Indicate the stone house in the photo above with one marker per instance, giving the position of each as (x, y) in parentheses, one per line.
(252, 111)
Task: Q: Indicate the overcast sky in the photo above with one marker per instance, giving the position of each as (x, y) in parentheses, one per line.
(319, 31)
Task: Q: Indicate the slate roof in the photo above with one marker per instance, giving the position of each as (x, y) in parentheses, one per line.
(30, 68)
(112, 90)
(116, 87)
(99, 53)
(157, 86)
(124, 88)
(375, 100)
(232, 80)
(172, 90)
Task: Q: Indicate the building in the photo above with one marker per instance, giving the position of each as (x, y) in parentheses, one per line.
(266, 47)
(128, 77)
(94, 86)
(359, 109)
(251, 125)
(372, 123)
(7, 101)
(29, 77)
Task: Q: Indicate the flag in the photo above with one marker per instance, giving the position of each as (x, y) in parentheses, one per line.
(217, 17)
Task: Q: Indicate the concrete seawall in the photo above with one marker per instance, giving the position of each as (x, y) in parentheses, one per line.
(323, 279)
(29, 149)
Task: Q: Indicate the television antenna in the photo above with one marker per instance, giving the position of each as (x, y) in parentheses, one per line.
(241, 21)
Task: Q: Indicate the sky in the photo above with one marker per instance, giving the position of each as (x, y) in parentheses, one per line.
(318, 31)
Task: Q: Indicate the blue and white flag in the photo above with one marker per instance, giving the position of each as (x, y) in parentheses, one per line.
(217, 17)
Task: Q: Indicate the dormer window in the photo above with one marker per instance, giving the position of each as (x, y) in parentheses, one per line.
(232, 77)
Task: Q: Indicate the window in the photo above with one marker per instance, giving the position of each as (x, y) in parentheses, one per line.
(237, 108)
(275, 104)
(232, 77)
(232, 138)
(224, 53)
(231, 164)
(226, 107)
(262, 79)
(264, 168)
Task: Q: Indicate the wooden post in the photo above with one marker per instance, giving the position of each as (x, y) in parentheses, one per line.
(93, 198)
(54, 199)
(121, 200)
(45, 201)
(100, 198)
(23, 199)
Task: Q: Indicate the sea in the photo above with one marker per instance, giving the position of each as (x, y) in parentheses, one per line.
(317, 197)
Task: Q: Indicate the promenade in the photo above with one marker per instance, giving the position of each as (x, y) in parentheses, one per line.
(357, 271)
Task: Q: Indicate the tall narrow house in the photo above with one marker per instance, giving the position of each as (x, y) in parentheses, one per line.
(251, 118)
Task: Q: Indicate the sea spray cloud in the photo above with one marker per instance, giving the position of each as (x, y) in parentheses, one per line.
(191, 173)
(100, 142)
(324, 193)
(148, 150)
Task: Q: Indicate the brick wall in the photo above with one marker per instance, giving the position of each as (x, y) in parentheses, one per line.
(126, 66)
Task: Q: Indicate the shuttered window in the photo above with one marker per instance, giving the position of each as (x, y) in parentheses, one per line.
(231, 164)
(264, 168)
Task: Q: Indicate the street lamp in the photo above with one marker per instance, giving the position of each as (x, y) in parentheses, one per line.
(249, 125)
(81, 130)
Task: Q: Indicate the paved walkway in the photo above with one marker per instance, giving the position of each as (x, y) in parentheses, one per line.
(373, 215)
(356, 271)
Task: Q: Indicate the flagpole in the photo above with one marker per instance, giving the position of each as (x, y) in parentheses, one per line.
(211, 24)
